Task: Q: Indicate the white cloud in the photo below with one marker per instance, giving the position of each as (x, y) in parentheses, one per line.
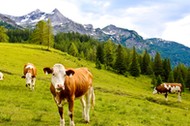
(162, 19)
(178, 31)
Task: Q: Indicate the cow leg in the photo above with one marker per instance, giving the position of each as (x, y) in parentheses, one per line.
(83, 102)
(71, 111)
(179, 96)
(166, 96)
(88, 101)
(62, 120)
(33, 83)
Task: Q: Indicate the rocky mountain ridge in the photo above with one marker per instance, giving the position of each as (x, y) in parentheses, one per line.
(125, 37)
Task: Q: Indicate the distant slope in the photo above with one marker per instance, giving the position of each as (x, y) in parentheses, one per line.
(177, 53)
(123, 36)
(119, 100)
(8, 23)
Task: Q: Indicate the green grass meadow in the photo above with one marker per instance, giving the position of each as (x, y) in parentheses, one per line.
(120, 101)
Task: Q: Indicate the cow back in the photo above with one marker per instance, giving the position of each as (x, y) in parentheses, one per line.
(30, 68)
(80, 82)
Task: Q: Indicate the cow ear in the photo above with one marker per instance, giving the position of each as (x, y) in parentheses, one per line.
(47, 70)
(23, 76)
(70, 72)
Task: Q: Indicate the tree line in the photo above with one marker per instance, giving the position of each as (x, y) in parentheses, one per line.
(106, 55)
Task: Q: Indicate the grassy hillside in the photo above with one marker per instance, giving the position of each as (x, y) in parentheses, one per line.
(120, 101)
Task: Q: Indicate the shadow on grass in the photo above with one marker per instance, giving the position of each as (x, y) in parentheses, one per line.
(115, 92)
(174, 104)
(6, 72)
(37, 48)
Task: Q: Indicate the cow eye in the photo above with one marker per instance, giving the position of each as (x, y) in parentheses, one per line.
(53, 74)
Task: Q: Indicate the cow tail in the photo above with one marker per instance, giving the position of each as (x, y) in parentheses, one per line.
(92, 98)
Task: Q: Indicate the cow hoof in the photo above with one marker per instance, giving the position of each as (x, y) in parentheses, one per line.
(86, 121)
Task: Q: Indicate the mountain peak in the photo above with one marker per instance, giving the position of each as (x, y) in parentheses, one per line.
(56, 10)
(111, 26)
(35, 12)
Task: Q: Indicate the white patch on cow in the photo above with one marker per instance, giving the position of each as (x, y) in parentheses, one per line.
(72, 123)
(179, 96)
(46, 73)
(33, 83)
(28, 78)
(167, 86)
(69, 113)
(155, 91)
(58, 76)
(70, 75)
(62, 122)
(83, 102)
(1, 76)
(29, 66)
(175, 89)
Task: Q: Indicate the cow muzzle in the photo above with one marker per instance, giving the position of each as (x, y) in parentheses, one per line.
(27, 84)
(60, 87)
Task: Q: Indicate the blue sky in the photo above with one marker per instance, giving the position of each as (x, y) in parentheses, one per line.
(166, 19)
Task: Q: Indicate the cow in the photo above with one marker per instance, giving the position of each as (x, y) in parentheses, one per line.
(169, 88)
(69, 84)
(1, 76)
(30, 73)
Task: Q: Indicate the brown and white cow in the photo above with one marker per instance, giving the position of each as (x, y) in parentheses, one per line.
(1, 76)
(169, 88)
(30, 72)
(69, 84)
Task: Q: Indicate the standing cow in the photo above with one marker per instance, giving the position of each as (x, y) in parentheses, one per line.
(30, 72)
(1, 76)
(169, 88)
(69, 84)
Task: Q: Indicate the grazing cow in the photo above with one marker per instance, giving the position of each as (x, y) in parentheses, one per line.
(30, 75)
(68, 84)
(169, 88)
(1, 76)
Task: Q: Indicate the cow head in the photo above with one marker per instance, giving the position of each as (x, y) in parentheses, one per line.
(155, 91)
(58, 72)
(29, 79)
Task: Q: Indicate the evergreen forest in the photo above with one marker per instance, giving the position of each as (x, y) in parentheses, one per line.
(106, 55)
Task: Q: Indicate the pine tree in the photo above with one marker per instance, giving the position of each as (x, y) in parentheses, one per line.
(39, 35)
(188, 79)
(119, 63)
(3, 35)
(145, 66)
(170, 77)
(91, 55)
(149, 70)
(154, 80)
(108, 54)
(100, 54)
(50, 36)
(43, 34)
(134, 67)
(159, 80)
(157, 65)
(73, 49)
(180, 74)
(166, 69)
(98, 64)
